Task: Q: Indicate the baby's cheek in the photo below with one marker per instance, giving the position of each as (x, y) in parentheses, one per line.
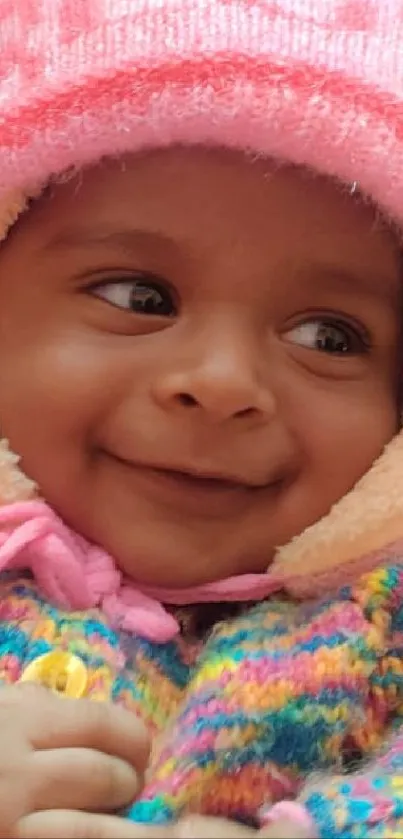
(345, 429)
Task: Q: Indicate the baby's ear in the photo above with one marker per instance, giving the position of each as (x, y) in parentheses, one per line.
(14, 485)
(363, 529)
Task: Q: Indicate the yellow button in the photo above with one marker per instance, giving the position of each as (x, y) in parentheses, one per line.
(60, 671)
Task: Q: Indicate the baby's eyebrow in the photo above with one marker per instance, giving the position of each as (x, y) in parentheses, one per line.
(124, 239)
(315, 275)
(343, 279)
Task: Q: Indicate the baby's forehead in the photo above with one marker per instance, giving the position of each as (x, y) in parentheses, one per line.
(181, 165)
(153, 193)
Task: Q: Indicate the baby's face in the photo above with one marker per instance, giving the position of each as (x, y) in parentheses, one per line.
(199, 356)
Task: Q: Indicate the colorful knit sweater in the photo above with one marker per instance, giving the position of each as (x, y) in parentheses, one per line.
(249, 713)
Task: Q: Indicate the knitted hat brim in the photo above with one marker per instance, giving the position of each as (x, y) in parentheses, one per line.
(266, 108)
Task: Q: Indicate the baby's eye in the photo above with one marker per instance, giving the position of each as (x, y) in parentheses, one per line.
(327, 336)
(143, 296)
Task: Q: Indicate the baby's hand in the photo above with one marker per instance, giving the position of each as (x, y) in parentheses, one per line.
(61, 825)
(209, 828)
(68, 825)
(58, 753)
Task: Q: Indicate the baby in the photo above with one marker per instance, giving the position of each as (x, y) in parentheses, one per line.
(200, 333)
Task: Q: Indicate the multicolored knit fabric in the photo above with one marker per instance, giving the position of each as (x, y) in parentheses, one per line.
(245, 718)
(129, 673)
(365, 806)
(279, 694)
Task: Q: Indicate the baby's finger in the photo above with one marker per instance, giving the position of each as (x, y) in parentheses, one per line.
(54, 723)
(201, 827)
(286, 829)
(63, 824)
(81, 779)
(68, 824)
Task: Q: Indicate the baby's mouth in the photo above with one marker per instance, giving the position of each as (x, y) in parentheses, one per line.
(216, 482)
(192, 490)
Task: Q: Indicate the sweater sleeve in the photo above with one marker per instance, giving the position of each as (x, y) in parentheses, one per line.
(367, 804)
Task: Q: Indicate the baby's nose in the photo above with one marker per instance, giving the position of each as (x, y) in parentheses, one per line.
(220, 385)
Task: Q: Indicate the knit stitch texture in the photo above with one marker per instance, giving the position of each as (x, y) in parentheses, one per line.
(245, 717)
(316, 82)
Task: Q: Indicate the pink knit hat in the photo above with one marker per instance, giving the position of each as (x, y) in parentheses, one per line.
(316, 82)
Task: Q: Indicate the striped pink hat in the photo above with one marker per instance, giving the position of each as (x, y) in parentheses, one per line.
(316, 82)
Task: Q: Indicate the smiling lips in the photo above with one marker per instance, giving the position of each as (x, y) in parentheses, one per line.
(212, 480)
(204, 492)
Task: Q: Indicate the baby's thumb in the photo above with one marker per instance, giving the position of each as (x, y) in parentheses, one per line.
(199, 827)
(69, 824)
(286, 829)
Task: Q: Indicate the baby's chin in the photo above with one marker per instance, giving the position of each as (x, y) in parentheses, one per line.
(170, 559)
(155, 546)
(184, 568)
